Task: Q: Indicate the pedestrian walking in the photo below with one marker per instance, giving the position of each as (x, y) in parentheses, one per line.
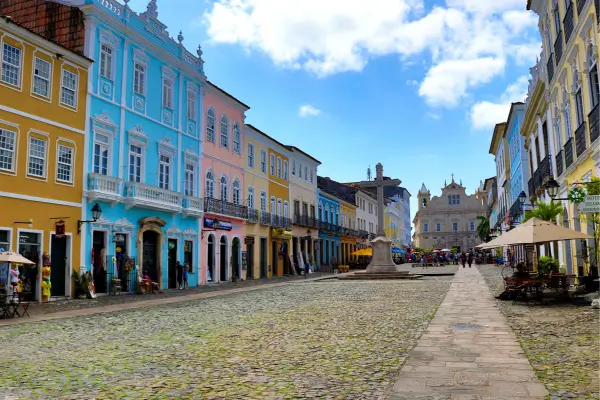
(179, 272)
(470, 259)
(463, 259)
(186, 269)
(306, 269)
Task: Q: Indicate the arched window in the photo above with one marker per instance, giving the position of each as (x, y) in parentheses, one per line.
(273, 205)
(320, 212)
(251, 198)
(286, 209)
(578, 99)
(210, 185)
(236, 139)
(557, 129)
(279, 207)
(236, 192)
(224, 131)
(224, 192)
(592, 61)
(326, 219)
(567, 112)
(210, 125)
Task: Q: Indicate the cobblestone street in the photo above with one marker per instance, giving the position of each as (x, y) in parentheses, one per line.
(328, 339)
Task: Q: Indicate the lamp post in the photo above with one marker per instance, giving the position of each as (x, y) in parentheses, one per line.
(96, 212)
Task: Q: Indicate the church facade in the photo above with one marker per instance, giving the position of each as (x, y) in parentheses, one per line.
(448, 221)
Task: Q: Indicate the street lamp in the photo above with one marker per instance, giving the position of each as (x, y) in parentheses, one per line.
(552, 188)
(522, 197)
(96, 212)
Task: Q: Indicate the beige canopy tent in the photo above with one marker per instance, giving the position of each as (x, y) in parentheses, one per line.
(16, 258)
(534, 231)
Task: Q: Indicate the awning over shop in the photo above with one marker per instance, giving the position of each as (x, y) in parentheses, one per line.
(397, 250)
(280, 233)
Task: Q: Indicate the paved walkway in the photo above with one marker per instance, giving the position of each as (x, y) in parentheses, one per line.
(468, 352)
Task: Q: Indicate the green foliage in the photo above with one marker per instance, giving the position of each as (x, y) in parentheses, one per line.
(547, 264)
(498, 252)
(454, 250)
(418, 250)
(483, 229)
(82, 282)
(544, 211)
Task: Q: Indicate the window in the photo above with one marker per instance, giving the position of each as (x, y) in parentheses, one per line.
(250, 155)
(579, 101)
(64, 164)
(41, 77)
(567, 111)
(425, 227)
(189, 179)
(272, 205)
(11, 65)
(209, 190)
(305, 173)
(593, 76)
(237, 148)
(263, 161)
(311, 176)
(279, 207)
(224, 189)
(454, 199)
(455, 226)
(286, 209)
(101, 146)
(135, 163)
(272, 166)
(7, 150)
(557, 131)
(68, 94)
(293, 167)
(210, 125)
(236, 192)
(224, 129)
(188, 254)
(167, 93)
(5, 240)
(191, 105)
(279, 167)
(106, 61)
(251, 198)
(285, 170)
(472, 226)
(300, 170)
(37, 157)
(164, 171)
(139, 78)
(263, 201)
(438, 227)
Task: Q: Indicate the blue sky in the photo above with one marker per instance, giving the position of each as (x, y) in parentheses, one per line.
(416, 85)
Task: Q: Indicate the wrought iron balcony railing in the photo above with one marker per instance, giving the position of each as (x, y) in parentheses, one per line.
(559, 163)
(531, 187)
(363, 234)
(558, 47)
(252, 215)
(217, 206)
(594, 118)
(265, 218)
(550, 67)
(568, 23)
(580, 139)
(581, 3)
(515, 210)
(568, 153)
(304, 220)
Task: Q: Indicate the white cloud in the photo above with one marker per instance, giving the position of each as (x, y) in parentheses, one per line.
(486, 114)
(412, 82)
(433, 115)
(335, 36)
(308, 111)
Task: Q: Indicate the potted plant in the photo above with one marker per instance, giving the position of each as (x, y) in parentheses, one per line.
(547, 265)
(81, 282)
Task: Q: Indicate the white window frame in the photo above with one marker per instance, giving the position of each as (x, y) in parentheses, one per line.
(167, 92)
(139, 155)
(108, 147)
(578, 97)
(272, 162)
(63, 88)
(191, 105)
(107, 60)
(311, 176)
(293, 167)
(273, 205)
(59, 147)
(306, 173)
(18, 67)
(236, 192)
(455, 227)
(224, 188)
(425, 227)
(279, 207)
(592, 62)
(279, 167)
(209, 183)
(140, 77)
(263, 201)
(263, 161)
(211, 130)
(189, 179)
(567, 112)
(251, 155)
(224, 131)
(169, 175)
(286, 176)
(286, 209)
(48, 79)
(6, 245)
(237, 138)
(44, 158)
(471, 226)
(15, 141)
(438, 227)
(250, 198)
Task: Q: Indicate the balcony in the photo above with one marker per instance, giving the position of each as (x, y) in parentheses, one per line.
(363, 234)
(141, 195)
(569, 153)
(550, 67)
(103, 187)
(559, 163)
(541, 176)
(594, 118)
(265, 218)
(216, 206)
(287, 223)
(192, 206)
(252, 216)
(372, 236)
(558, 47)
(597, 3)
(515, 210)
(581, 3)
(531, 187)
(305, 220)
(580, 139)
(568, 23)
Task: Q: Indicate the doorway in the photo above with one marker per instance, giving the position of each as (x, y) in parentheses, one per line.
(235, 257)
(172, 263)
(274, 259)
(295, 251)
(263, 258)
(250, 261)
(210, 258)
(149, 252)
(58, 272)
(98, 260)
(223, 259)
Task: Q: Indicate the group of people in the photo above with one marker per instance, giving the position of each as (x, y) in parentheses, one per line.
(442, 259)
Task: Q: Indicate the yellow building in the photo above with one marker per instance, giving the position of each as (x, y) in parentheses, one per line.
(349, 232)
(42, 138)
(570, 128)
(273, 157)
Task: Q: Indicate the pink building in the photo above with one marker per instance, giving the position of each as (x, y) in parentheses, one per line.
(222, 165)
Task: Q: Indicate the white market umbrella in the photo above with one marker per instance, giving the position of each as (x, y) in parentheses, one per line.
(446, 250)
(535, 231)
(16, 258)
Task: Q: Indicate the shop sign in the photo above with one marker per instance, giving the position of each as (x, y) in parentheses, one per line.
(281, 233)
(59, 229)
(213, 223)
(118, 238)
(590, 204)
(28, 238)
(249, 240)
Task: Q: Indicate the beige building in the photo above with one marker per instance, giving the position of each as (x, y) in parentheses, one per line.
(449, 220)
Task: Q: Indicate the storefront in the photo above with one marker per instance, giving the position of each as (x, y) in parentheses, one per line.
(280, 252)
(303, 246)
(221, 239)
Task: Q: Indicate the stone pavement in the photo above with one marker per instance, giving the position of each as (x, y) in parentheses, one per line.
(468, 352)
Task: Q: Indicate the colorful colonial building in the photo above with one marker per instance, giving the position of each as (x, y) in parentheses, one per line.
(42, 153)
(223, 165)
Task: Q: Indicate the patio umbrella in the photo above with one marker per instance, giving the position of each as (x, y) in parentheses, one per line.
(535, 231)
(446, 250)
(10, 257)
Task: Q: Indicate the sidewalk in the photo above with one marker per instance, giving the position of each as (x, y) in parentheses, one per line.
(468, 351)
(77, 308)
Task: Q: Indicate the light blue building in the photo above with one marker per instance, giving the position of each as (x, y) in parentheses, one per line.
(519, 165)
(329, 232)
(143, 152)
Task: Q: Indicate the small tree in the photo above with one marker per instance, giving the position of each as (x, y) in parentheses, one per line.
(483, 229)
(593, 189)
